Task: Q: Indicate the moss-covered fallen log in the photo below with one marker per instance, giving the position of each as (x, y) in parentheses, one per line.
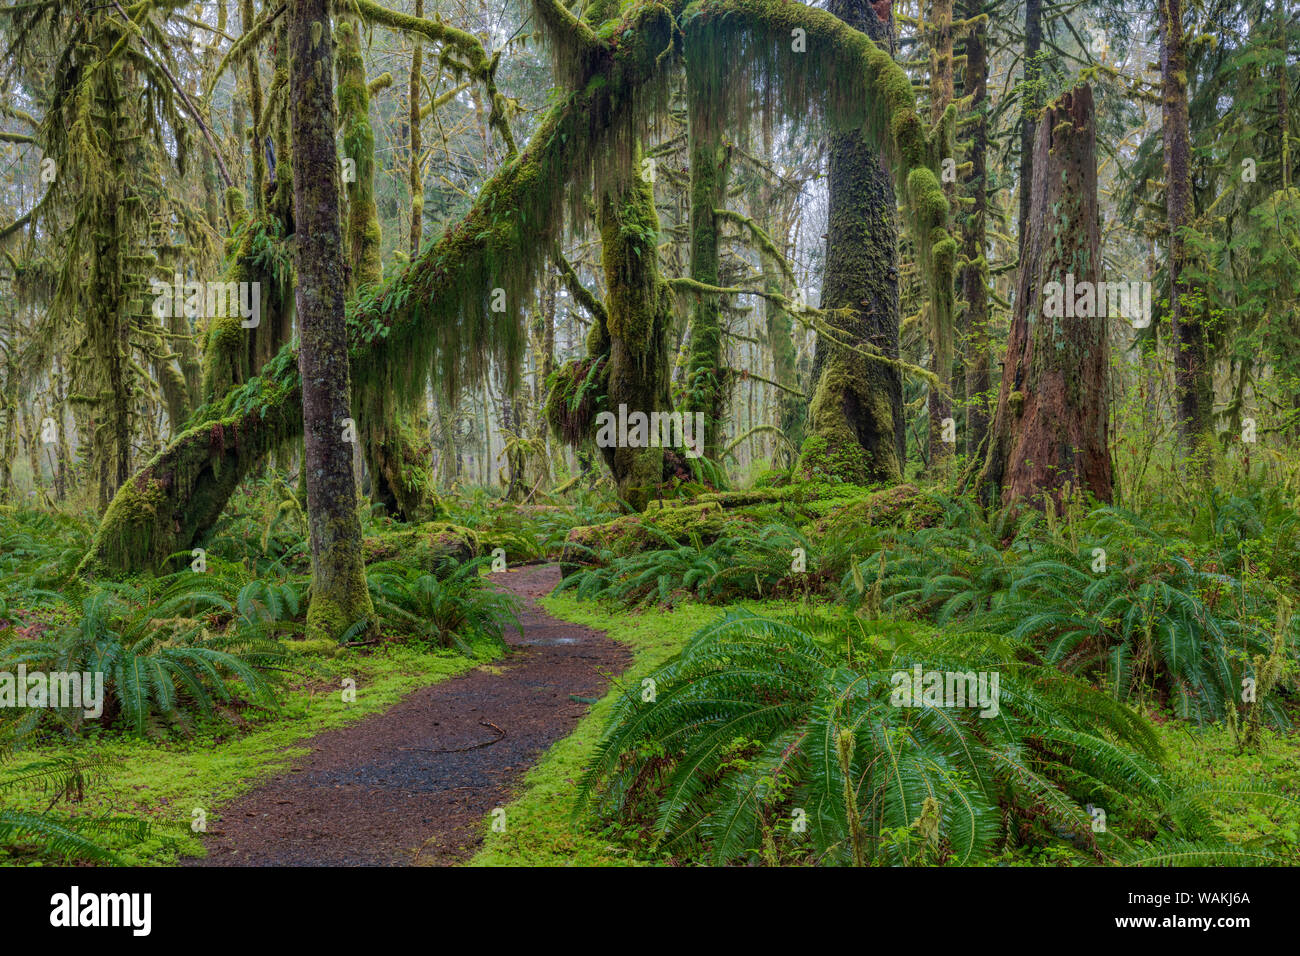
(817, 510)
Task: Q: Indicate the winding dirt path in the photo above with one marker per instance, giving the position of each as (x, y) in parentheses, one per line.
(414, 784)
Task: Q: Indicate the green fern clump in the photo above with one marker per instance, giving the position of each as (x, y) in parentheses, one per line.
(760, 725)
(39, 550)
(62, 837)
(1109, 596)
(166, 647)
(454, 609)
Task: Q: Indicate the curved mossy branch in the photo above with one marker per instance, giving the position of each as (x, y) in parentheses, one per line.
(434, 317)
(581, 294)
(575, 47)
(16, 225)
(482, 67)
(443, 99)
(168, 506)
(21, 115)
(766, 247)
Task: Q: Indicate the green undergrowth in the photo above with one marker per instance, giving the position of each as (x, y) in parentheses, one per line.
(163, 781)
(540, 827)
(1203, 756)
(1255, 802)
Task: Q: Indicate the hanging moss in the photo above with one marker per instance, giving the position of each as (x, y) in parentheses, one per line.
(436, 317)
(576, 391)
(746, 69)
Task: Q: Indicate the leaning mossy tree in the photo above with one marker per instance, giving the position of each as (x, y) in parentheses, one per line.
(434, 317)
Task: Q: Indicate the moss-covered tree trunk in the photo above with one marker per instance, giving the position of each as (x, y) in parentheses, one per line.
(976, 358)
(1192, 370)
(1051, 423)
(363, 233)
(415, 144)
(396, 457)
(942, 336)
(638, 306)
(791, 409)
(855, 416)
(339, 596)
(1031, 100)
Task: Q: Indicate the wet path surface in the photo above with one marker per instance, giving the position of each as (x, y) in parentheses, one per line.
(414, 784)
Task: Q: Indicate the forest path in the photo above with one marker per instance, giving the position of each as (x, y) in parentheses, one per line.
(414, 784)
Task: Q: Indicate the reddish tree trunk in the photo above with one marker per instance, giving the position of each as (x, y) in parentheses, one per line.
(1051, 422)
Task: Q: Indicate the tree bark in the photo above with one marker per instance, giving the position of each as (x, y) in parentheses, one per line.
(339, 597)
(939, 32)
(639, 308)
(415, 145)
(974, 275)
(1051, 422)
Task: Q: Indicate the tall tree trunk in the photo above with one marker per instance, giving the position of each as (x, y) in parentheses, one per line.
(247, 17)
(706, 379)
(339, 596)
(1030, 103)
(974, 275)
(942, 335)
(855, 414)
(789, 409)
(363, 234)
(1193, 385)
(1051, 422)
(395, 454)
(639, 307)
